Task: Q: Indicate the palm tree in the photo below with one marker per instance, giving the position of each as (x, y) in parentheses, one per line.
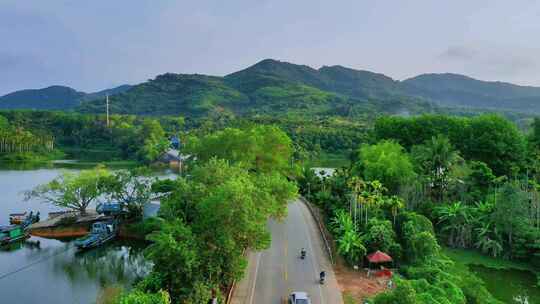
(488, 240)
(456, 220)
(436, 158)
(394, 203)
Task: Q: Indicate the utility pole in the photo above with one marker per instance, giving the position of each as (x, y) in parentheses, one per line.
(107, 98)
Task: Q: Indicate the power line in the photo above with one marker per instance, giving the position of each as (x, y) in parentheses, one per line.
(5, 275)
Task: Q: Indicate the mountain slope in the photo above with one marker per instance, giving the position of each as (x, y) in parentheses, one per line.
(280, 88)
(170, 94)
(458, 90)
(52, 98)
(269, 87)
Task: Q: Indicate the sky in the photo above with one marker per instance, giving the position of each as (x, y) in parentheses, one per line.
(98, 44)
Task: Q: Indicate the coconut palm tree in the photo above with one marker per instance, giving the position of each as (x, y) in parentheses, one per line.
(436, 158)
(456, 221)
(394, 203)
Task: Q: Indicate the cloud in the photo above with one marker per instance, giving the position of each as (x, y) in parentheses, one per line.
(458, 53)
(493, 61)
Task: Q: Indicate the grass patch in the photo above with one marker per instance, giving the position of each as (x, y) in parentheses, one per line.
(472, 257)
(349, 299)
(329, 160)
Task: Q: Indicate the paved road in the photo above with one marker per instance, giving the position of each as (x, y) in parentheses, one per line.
(274, 273)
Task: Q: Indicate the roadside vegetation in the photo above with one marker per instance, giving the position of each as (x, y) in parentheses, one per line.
(424, 183)
(215, 212)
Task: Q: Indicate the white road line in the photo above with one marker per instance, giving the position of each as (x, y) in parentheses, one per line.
(311, 248)
(255, 282)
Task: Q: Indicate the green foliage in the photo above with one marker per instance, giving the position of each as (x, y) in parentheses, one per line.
(380, 235)
(436, 160)
(73, 191)
(387, 162)
(85, 136)
(216, 212)
(262, 148)
(154, 142)
(487, 138)
(349, 242)
(140, 297)
(404, 293)
(132, 188)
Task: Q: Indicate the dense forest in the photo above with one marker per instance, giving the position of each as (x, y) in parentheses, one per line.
(81, 136)
(429, 182)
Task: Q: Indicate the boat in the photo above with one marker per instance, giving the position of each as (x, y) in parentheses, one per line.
(12, 233)
(17, 218)
(110, 209)
(101, 232)
(21, 218)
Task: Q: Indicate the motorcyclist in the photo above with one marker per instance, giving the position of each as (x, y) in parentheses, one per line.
(322, 276)
(302, 253)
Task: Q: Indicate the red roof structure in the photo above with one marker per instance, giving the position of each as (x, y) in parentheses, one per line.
(379, 257)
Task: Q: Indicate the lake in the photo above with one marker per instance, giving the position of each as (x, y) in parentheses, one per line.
(510, 285)
(42, 270)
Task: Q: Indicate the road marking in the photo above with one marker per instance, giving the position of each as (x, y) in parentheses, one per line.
(255, 282)
(311, 248)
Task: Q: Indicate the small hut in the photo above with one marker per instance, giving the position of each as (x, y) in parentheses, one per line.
(379, 257)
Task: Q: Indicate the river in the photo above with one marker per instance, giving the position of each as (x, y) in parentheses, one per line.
(42, 270)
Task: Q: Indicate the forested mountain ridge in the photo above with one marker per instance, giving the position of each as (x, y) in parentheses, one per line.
(277, 87)
(268, 87)
(52, 98)
(459, 90)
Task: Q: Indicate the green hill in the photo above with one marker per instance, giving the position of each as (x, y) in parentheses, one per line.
(52, 98)
(458, 90)
(268, 87)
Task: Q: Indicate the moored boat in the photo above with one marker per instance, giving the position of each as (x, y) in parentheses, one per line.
(101, 232)
(17, 218)
(12, 233)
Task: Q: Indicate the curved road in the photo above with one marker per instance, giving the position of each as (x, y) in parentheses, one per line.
(274, 273)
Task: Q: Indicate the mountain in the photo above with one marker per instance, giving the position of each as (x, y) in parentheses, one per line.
(103, 93)
(269, 87)
(281, 88)
(170, 94)
(336, 79)
(457, 90)
(52, 98)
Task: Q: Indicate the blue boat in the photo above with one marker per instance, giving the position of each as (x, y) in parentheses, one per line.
(101, 232)
(110, 209)
(13, 233)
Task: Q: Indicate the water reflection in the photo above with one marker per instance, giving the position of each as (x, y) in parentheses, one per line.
(115, 263)
(510, 285)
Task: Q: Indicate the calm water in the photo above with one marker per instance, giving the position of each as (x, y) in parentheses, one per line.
(51, 271)
(510, 286)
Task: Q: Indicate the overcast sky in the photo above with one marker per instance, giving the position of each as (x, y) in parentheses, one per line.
(92, 45)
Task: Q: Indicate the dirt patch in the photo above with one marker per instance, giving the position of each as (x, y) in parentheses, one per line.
(356, 284)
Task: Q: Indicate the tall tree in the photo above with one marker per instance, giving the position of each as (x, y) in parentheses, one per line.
(72, 190)
(387, 162)
(436, 158)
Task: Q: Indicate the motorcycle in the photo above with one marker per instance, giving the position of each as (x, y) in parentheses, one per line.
(302, 254)
(322, 278)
